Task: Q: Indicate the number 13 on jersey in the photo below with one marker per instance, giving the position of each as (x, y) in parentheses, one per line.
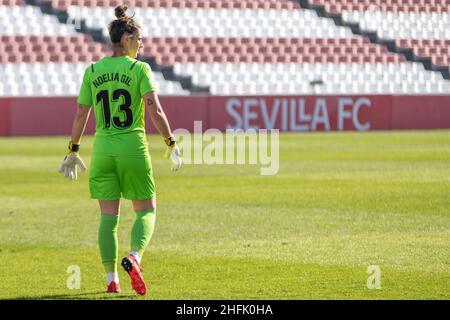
(104, 98)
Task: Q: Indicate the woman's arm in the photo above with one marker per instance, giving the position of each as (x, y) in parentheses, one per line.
(157, 114)
(161, 123)
(79, 123)
(72, 159)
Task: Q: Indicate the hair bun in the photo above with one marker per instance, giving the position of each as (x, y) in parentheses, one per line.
(120, 11)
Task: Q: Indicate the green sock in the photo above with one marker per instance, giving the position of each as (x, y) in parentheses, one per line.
(142, 230)
(107, 241)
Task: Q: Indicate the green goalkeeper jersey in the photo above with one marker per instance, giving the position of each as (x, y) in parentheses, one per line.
(114, 87)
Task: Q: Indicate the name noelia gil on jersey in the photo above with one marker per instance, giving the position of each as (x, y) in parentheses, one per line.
(107, 77)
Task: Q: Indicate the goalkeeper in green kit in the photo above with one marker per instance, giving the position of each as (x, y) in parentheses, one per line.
(119, 89)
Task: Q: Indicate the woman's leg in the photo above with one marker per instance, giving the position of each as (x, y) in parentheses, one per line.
(143, 226)
(110, 207)
(107, 237)
(136, 182)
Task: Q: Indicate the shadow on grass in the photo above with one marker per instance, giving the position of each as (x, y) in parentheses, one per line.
(82, 296)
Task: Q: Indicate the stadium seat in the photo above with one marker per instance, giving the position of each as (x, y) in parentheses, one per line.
(246, 41)
(412, 26)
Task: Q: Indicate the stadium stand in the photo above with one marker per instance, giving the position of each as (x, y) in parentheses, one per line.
(417, 24)
(235, 47)
(41, 56)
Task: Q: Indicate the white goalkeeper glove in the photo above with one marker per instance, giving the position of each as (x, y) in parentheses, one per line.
(173, 152)
(71, 161)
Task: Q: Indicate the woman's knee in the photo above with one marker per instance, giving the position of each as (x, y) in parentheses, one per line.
(142, 205)
(110, 207)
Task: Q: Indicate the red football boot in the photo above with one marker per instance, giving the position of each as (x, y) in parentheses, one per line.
(113, 287)
(134, 269)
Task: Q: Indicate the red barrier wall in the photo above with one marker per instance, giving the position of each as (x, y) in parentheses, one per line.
(53, 116)
(5, 117)
(420, 112)
(43, 116)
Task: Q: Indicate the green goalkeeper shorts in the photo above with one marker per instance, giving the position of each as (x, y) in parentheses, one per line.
(114, 176)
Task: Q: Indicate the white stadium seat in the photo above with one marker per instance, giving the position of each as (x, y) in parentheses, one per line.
(63, 78)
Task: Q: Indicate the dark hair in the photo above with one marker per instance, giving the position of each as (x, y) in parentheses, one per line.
(123, 24)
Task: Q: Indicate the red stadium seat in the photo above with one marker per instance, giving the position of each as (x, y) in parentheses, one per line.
(260, 41)
(288, 50)
(306, 41)
(221, 41)
(271, 41)
(213, 50)
(5, 39)
(342, 59)
(43, 58)
(208, 41)
(193, 58)
(276, 50)
(281, 59)
(51, 48)
(182, 40)
(250, 50)
(199, 49)
(20, 39)
(178, 4)
(206, 58)
(238, 50)
(294, 59)
(56, 58)
(69, 58)
(15, 58)
(96, 57)
(62, 39)
(244, 59)
(217, 58)
(257, 58)
(306, 59)
(196, 40)
(231, 59)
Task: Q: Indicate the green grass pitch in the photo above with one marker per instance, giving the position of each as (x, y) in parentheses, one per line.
(340, 203)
